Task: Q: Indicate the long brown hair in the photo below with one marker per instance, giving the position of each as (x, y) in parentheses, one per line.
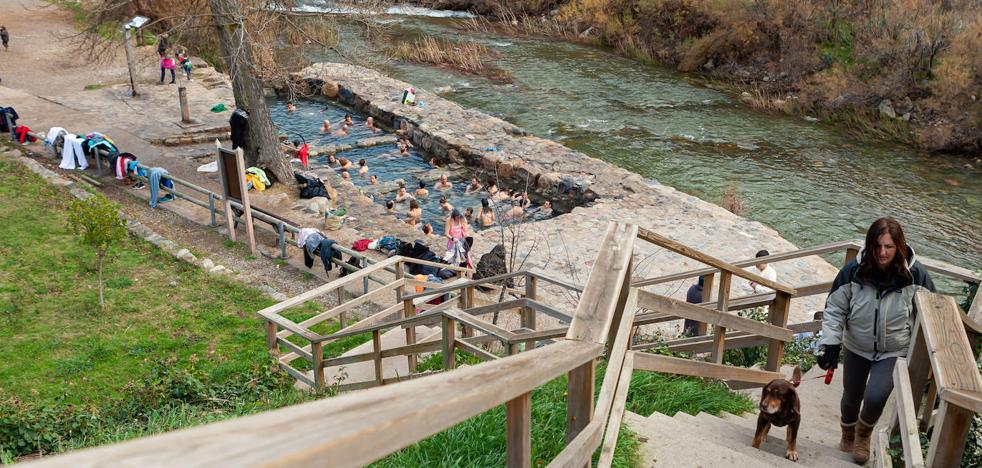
(869, 266)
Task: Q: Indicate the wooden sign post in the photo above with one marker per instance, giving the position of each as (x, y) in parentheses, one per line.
(231, 166)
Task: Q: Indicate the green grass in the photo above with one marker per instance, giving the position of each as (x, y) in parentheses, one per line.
(56, 342)
(175, 347)
(480, 441)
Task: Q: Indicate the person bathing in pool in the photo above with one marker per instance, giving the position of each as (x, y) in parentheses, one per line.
(444, 184)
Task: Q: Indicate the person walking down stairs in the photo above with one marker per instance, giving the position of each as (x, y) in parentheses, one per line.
(874, 292)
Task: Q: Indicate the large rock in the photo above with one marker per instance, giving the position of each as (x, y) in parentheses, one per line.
(329, 89)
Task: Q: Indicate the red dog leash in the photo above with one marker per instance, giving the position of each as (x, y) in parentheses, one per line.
(828, 378)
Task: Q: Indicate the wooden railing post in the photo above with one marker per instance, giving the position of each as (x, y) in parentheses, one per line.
(449, 337)
(929, 400)
(722, 305)
(850, 254)
(949, 436)
(400, 274)
(528, 314)
(271, 341)
(377, 351)
(707, 295)
(317, 351)
(579, 399)
(778, 316)
(408, 310)
(519, 431)
(918, 365)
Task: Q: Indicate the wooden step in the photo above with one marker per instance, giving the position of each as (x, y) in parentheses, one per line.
(664, 445)
(809, 453)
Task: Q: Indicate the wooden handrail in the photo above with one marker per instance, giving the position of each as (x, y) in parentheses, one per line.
(907, 415)
(348, 430)
(714, 262)
(773, 258)
(682, 309)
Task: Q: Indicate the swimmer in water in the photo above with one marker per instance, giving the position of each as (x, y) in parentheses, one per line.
(444, 184)
(290, 107)
(345, 164)
(345, 175)
(402, 196)
(404, 152)
(474, 186)
(421, 191)
(326, 128)
(332, 160)
(390, 207)
(492, 187)
(373, 179)
(428, 231)
(347, 120)
(415, 213)
(370, 123)
(445, 205)
(364, 167)
(485, 217)
(343, 131)
(469, 214)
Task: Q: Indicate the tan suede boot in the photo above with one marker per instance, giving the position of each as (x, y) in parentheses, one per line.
(848, 434)
(860, 447)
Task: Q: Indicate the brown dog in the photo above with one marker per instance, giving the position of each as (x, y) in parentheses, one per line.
(779, 406)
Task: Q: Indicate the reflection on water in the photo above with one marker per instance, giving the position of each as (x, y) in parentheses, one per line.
(808, 181)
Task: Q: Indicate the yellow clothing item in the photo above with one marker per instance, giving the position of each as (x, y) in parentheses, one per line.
(257, 182)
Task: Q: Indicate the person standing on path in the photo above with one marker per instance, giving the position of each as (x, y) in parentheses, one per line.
(162, 45)
(167, 63)
(869, 311)
(4, 36)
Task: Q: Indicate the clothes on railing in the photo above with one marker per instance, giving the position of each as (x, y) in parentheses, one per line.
(315, 243)
(122, 162)
(54, 138)
(421, 251)
(13, 118)
(96, 141)
(157, 179)
(23, 134)
(72, 156)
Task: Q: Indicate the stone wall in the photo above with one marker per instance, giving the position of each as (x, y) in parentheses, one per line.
(451, 133)
(566, 245)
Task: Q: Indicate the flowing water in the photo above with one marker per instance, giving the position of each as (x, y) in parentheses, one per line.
(811, 182)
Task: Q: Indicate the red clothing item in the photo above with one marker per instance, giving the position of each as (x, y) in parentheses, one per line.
(302, 154)
(361, 245)
(21, 132)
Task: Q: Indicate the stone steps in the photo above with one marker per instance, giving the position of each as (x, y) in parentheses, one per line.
(810, 453)
(662, 445)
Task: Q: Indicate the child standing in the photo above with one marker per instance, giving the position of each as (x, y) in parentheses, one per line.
(185, 60)
(167, 63)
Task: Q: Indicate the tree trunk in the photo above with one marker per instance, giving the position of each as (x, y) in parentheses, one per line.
(102, 284)
(263, 147)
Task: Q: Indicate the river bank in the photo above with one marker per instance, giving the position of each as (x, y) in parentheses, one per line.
(912, 76)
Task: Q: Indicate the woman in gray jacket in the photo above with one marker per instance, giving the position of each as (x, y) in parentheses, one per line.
(869, 312)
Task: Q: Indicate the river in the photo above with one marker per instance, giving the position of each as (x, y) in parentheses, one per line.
(811, 182)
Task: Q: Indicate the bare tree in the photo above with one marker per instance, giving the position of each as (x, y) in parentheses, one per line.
(238, 55)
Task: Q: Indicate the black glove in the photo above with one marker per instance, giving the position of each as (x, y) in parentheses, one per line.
(829, 358)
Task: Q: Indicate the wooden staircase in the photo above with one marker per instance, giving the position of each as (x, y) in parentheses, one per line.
(724, 440)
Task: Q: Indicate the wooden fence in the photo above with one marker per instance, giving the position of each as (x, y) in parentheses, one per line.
(360, 427)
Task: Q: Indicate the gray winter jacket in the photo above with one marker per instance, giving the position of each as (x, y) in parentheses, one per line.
(872, 320)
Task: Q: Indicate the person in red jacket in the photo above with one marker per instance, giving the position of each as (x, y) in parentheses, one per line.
(302, 152)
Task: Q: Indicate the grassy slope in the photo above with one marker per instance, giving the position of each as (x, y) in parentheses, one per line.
(56, 341)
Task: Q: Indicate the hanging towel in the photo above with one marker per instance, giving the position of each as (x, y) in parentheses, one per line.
(71, 152)
(122, 163)
(156, 174)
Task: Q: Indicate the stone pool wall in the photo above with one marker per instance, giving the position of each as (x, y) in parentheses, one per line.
(566, 245)
(451, 133)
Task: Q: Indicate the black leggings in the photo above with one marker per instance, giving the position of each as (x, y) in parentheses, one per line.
(865, 382)
(164, 70)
